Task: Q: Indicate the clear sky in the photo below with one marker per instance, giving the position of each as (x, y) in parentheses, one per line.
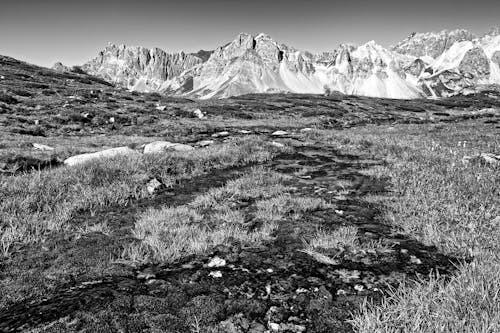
(45, 31)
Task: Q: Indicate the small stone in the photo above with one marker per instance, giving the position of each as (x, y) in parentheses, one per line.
(339, 212)
(220, 134)
(274, 327)
(257, 328)
(153, 186)
(341, 292)
(42, 147)
(268, 289)
(301, 290)
(490, 159)
(307, 129)
(205, 143)
(269, 270)
(146, 275)
(415, 260)
(2, 77)
(279, 133)
(217, 262)
(359, 287)
(292, 328)
(404, 251)
(245, 132)
(496, 221)
(277, 144)
(161, 107)
(215, 274)
(112, 120)
(199, 114)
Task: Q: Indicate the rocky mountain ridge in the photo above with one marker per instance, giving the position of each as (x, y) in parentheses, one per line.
(422, 65)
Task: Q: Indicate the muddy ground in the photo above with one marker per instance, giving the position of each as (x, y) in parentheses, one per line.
(275, 286)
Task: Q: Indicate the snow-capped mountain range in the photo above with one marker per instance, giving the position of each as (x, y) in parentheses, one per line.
(422, 65)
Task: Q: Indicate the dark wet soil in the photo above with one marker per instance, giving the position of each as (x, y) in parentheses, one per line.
(19, 164)
(275, 286)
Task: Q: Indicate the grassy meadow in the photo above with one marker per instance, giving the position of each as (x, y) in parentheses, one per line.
(438, 200)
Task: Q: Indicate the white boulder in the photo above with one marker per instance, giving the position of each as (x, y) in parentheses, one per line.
(40, 146)
(163, 146)
(108, 153)
(279, 133)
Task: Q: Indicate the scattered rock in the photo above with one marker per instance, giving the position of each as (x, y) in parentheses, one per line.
(217, 262)
(415, 260)
(2, 77)
(108, 153)
(359, 287)
(292, 328)
(274, 327)
(153, 185)
(160, 107)
(245, 132)
(205, 143)
(496, 221)
(307, 129)
(278, 144)
(482, 159)
(257, 328)
(40, 146)
(146, 274)
(279, 133)
(163, 146)
(220, 134)
(199, 114)
(215, 274)
(112, 120)
(491, 159)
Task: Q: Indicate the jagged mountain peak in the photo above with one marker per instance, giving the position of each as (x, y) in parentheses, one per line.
(423, 64)
(494, 31)
(431, 44)
(138, 67)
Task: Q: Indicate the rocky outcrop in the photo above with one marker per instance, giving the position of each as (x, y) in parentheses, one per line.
(431, 44)
(495, 31)
(475, 64)
(496, 58)
(58, 66)
(416, 68)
